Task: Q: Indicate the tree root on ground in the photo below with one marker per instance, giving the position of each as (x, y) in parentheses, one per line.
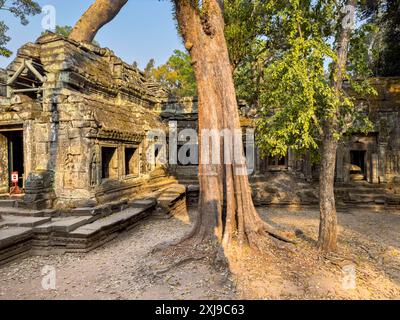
(286, 236)
(177, 254)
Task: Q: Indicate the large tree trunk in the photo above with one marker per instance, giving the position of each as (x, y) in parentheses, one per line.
(327, 240)
(99, 13)
(226, 210)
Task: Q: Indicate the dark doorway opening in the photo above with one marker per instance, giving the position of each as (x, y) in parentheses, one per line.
(15, 155)
(131, 161)
(109, 163)
(357, 159)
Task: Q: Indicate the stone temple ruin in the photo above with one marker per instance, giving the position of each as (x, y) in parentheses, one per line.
(74, 123)
(368, 165)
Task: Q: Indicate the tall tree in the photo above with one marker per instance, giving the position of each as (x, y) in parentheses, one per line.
(327, 239)
(226, 210)
(99, 14)
(20, 9)
(302, 107)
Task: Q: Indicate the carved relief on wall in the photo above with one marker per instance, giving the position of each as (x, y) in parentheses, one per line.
(95, 167)
(393, 163)
(394, 138)
(384, 130)
(69, 165)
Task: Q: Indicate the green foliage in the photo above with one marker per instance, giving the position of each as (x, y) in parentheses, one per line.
(291, 102)
(244, 20)
(176, 75)
(384, 42)
(283, 71)
(149, 68)
(63, 30)
(297, 94)
(20, 9)
(4, 39)
(391, 53)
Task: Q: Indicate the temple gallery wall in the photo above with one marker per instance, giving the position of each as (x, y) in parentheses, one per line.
(74, 120)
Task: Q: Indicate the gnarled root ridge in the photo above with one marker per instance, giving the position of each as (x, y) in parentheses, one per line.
(192, 248)
(283, 235)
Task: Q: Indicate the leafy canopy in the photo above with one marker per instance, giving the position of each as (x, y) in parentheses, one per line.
(176, 74)
(20, 9)
(284, 71)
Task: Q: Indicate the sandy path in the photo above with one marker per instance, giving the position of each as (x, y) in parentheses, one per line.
(369, 240)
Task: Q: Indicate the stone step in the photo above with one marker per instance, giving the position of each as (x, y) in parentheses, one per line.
(359, 185)
(27, 222)
(365, 199)
(15, 242)
(361, 190)
(64, 225)
(102, 210)
(8, 203)
(171, 201)
(22, 235)
(13, 235)
(117, 221)
(27, 212)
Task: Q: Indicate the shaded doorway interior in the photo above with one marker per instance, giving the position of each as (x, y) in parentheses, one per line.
(109, 165)
(15, 155)
(358, 166)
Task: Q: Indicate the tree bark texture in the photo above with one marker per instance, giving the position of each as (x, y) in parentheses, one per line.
(327, 240)
(99, 14)
(226, 209)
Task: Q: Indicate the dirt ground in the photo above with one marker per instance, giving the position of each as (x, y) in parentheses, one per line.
(369, 245)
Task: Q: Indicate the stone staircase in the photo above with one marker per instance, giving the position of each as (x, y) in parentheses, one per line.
(364, 195)
(24, 232)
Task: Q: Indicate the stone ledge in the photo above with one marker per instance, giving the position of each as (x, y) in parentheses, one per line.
(12, 235)
(171, 201)
(46, 235)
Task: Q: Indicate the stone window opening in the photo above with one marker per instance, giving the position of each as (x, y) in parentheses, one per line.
(109, 163)
(132, 161)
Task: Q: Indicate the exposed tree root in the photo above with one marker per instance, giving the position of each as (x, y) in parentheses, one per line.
(180, 263)
(286, 236)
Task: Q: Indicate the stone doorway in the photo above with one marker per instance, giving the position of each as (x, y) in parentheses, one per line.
(358, 166)
(109, 165)
(11, 158)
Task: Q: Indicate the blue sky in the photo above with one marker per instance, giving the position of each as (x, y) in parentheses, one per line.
(144, 29)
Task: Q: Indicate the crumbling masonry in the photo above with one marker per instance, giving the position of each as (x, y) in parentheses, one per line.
(74, 120)
(74, 124)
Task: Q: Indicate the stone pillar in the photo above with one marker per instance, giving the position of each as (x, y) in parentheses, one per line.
(251, 155)
(339, 164)
(257, 161)
(291, 160)
(39, 192)
(307, 167)
(368, 166)
(374, 168)
(346, 165)
(382, 162)
(4, 178)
